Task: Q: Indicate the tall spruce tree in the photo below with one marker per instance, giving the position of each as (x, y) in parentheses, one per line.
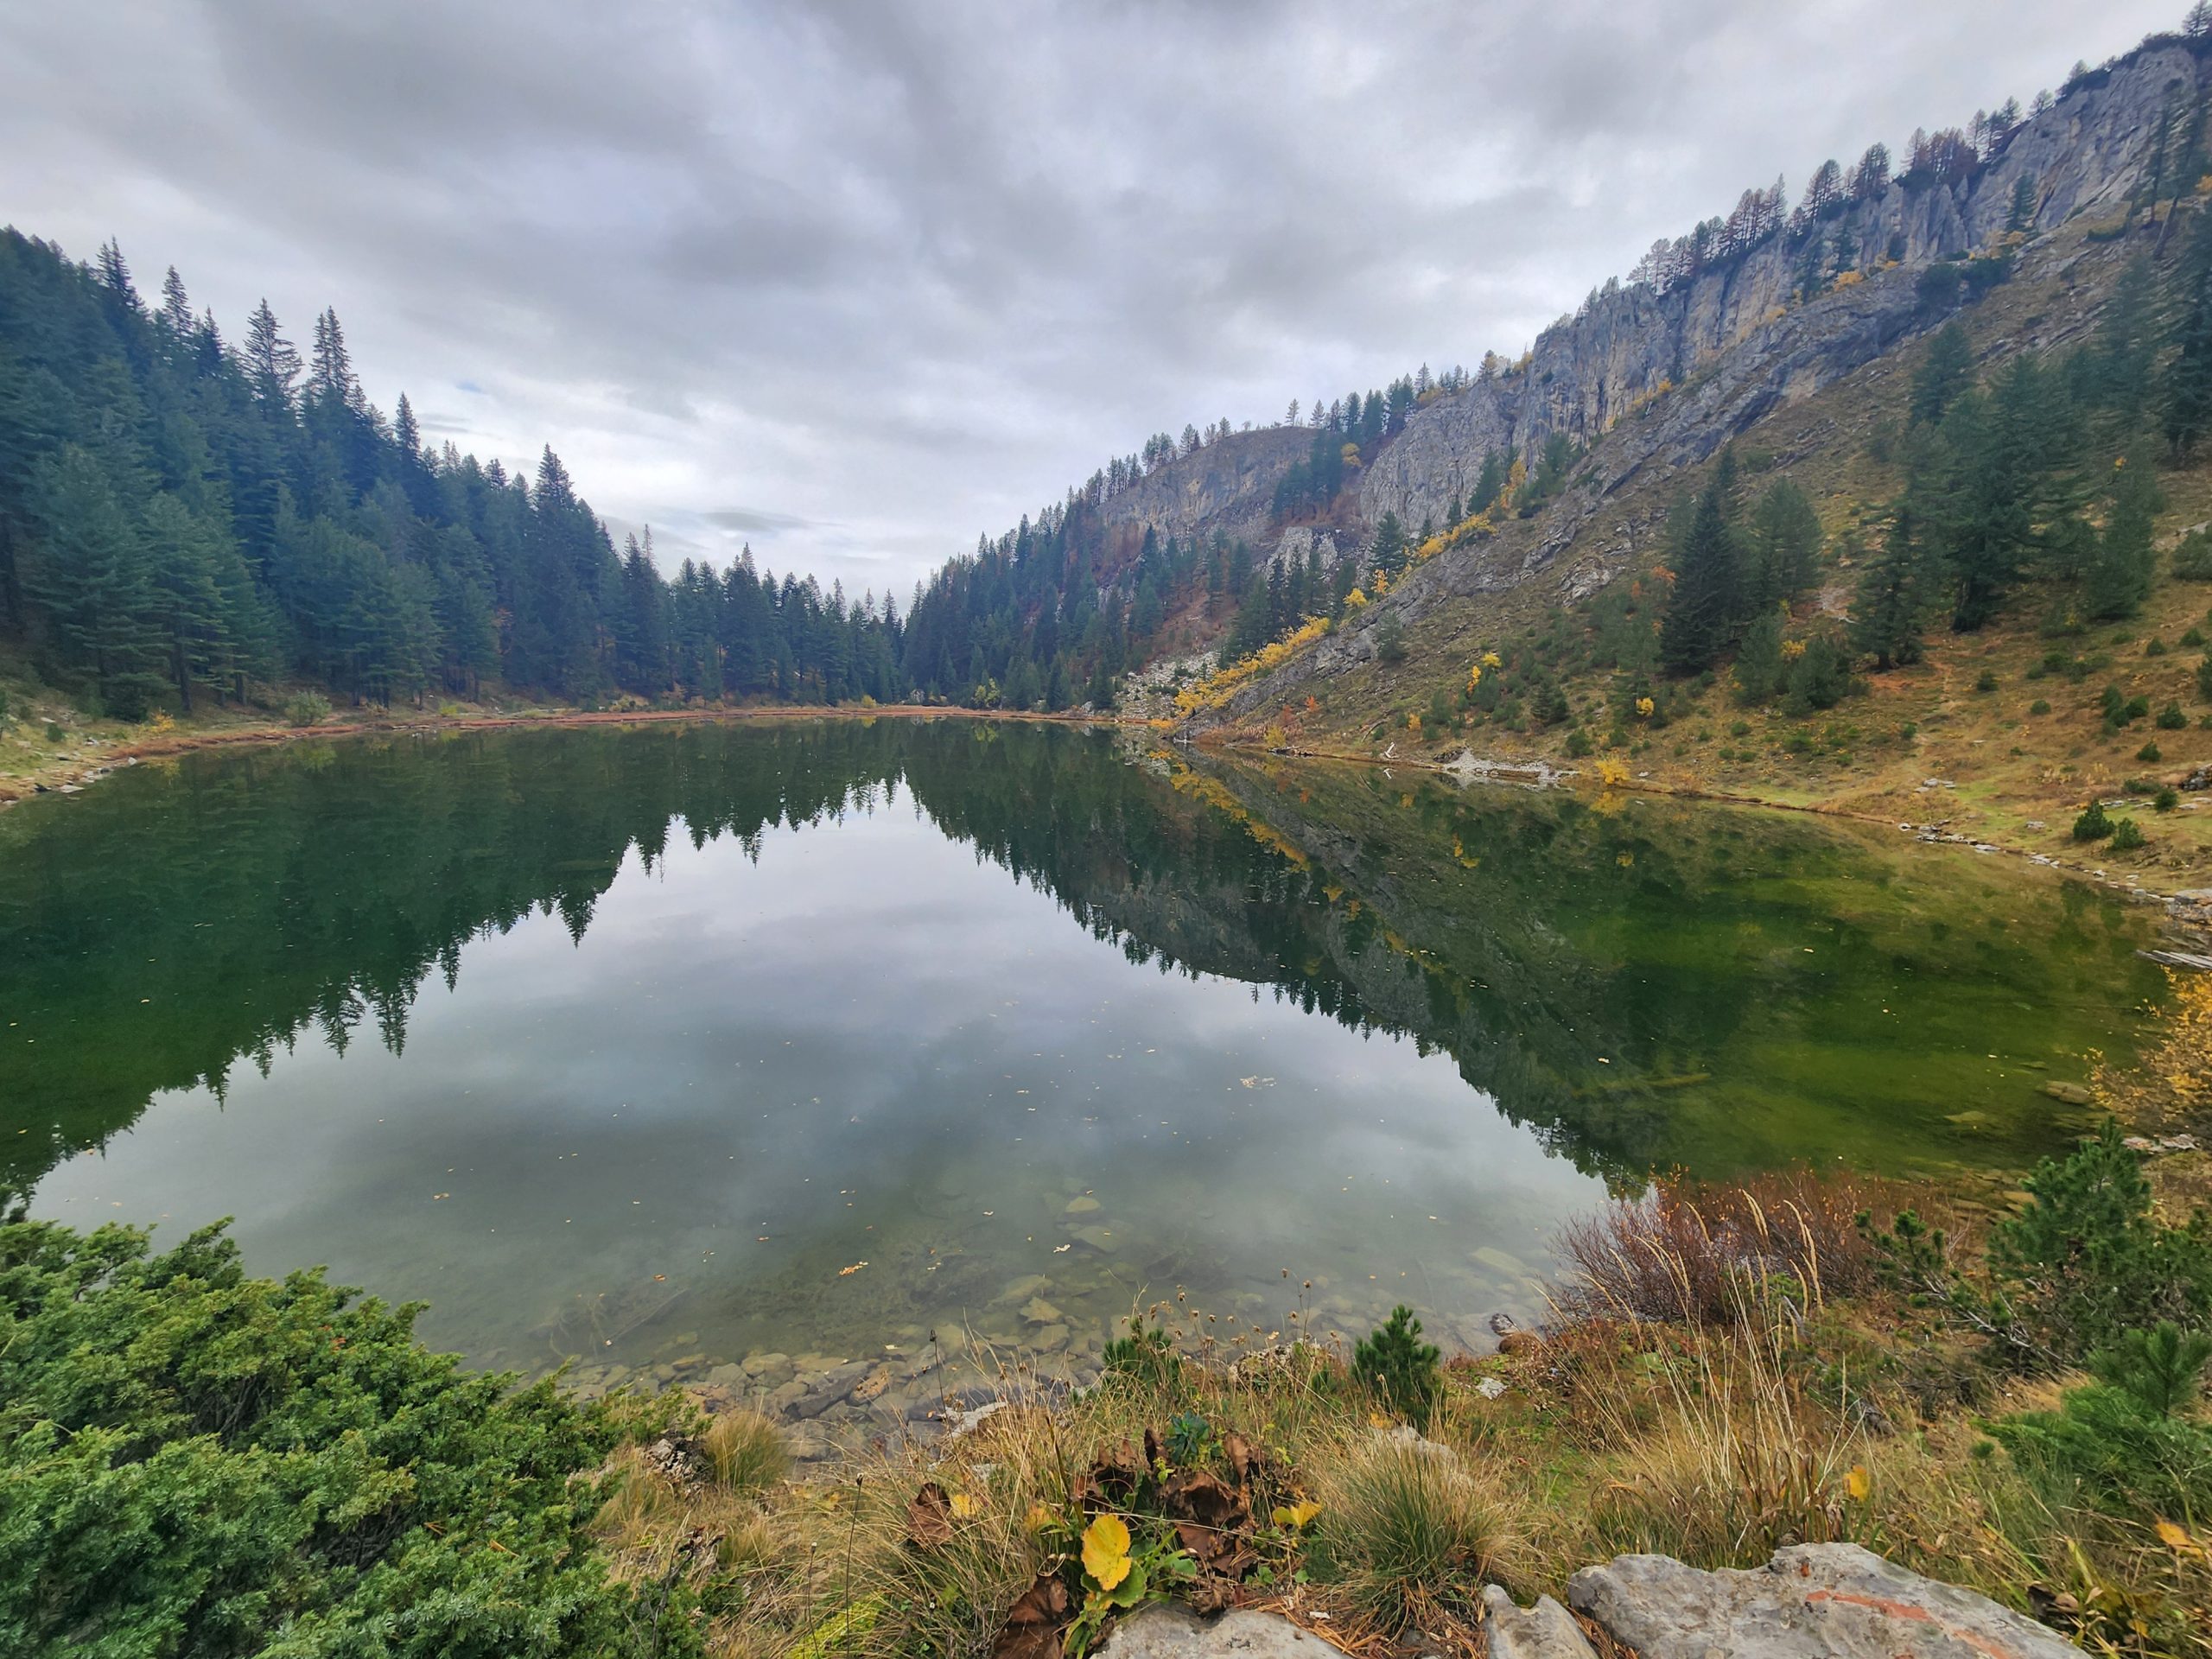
(1702, 609)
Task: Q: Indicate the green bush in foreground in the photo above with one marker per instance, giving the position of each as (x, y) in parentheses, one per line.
(193, 1462)
(1399, 1366)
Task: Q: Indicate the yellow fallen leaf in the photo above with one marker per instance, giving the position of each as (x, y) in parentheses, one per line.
(1859, 1483)
(1297, 1515)
(963, 1506)
(2173, 1537)
(846, 1273)
(1106, 1551)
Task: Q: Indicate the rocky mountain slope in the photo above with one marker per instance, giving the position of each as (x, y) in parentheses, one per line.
(1722, 348)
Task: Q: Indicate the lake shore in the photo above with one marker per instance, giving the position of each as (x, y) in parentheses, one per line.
(110, 745)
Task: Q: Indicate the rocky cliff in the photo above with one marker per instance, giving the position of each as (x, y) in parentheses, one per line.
(1654, 382)
(2085, 157)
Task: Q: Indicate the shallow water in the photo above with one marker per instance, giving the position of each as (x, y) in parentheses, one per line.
(818, 1036)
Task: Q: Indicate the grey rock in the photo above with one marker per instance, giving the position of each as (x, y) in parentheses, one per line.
(1812, 1601)
(832, 1387)
(1168, 1632)
(1546, 1631)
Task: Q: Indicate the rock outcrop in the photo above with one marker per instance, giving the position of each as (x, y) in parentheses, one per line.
(1812, 1601)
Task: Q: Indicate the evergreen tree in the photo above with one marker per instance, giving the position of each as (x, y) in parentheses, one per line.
(2186, 395)
(1891, 598)
(2118, 580)
(1782, 546)
(1945, 373)
(1702, 609)
(1388, 554)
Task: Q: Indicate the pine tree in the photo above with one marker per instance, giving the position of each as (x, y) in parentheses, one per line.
(2118, 578)
(1701, 611)
(1388, 554)
(1891, 598)
(2186, 395)
(271, 364)
(88, 572)
(1782, 546)
(1946, 371)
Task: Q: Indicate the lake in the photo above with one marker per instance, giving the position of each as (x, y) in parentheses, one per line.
(628, 1045)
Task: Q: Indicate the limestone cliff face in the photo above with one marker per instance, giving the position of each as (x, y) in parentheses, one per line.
(1732, 352)
(2086, 156)
(1725, 348)
(1228, 485)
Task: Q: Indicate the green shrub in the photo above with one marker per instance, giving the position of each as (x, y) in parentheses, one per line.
(2151, 753)
(1399, 1366)
(2165, 801)
(1147, 1354)
(1578, 743)
(2102, 1450)
(2156, 648)
(200, 1463)
(2135, 708)
(306, 709)
(54, 733)
(2092, 825)
(2162, 1368)
(1390, 639)
(2170, 718)
(2087, 1261)
(2040, 706)
(2204, 679)
(2193, 558)
(2127, 836)
(2193, 638)
(1986, 681)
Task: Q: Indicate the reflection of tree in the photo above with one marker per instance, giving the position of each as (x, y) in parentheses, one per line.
(169, 924)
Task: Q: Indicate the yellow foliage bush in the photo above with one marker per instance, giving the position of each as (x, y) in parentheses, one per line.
(1214, 689)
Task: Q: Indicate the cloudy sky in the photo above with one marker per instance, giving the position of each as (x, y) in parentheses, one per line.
(856, 281)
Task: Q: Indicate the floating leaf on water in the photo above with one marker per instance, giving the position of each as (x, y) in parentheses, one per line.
(846, 1273)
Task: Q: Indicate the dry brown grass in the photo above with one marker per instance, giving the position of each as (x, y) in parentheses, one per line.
(1682, 1251)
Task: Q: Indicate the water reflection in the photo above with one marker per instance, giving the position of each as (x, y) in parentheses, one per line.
(737, 1040)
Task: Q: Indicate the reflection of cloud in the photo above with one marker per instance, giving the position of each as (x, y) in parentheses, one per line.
(908, 273)
(756, 520)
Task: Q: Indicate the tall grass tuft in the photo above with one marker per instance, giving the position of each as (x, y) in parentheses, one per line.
(1407, 1531)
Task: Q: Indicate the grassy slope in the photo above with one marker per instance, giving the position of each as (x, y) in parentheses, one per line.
(2012, 769)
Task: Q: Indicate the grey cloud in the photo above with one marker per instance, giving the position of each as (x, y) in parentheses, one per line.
(907, 270)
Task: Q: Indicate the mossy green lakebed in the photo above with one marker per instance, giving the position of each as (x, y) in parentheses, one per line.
(636, 1046)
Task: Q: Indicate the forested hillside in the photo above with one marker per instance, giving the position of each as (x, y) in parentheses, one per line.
(187, 519)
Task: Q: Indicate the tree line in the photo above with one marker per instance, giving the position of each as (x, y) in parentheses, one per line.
(2043, 472)
(184, 515)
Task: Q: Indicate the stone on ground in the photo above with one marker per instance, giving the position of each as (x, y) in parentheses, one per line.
(1812, 1601)
(1166, 1632)
(1546, 1631)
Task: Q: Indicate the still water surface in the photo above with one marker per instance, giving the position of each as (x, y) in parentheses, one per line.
(816, 1036)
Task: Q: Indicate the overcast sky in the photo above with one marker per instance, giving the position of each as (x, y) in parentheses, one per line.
(856, 281)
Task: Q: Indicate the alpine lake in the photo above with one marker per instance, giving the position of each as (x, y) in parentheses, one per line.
(655, 1049)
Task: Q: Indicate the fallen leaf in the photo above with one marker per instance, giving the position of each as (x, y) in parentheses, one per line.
(846, 1273)
(1032, 1624)
(1859, 1483)
(929, 1517)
